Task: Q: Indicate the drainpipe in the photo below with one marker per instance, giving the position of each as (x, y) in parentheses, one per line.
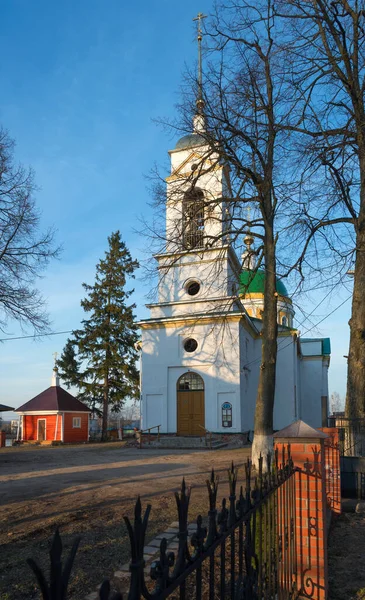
(138, 347)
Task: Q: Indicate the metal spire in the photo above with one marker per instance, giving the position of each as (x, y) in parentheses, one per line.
(200, 101)
(55, 377)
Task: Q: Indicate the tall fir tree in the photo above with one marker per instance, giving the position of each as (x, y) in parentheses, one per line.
(68, 365)
(104, 369)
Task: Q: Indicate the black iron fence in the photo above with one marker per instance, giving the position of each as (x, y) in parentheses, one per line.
(244, 549)
(332, 474)
(351, 444)
(351, 435)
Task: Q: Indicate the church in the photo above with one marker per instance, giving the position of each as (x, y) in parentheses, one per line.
(201, 346)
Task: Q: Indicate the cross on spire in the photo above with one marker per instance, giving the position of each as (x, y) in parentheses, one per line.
(249, 216)
(200, 101)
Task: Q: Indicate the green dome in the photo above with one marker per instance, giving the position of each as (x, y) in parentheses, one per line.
(254, 283)
(189, 141)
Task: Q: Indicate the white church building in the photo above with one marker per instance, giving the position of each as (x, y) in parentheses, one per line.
(201, 346)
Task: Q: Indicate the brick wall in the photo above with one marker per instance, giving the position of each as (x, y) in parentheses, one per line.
(311, 529)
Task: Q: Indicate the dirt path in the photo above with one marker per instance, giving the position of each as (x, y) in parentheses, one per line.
(87, 490)
(346, 554)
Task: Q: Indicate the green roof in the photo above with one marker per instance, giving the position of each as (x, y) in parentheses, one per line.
(189, 141)
(326, 344)
(254, 283)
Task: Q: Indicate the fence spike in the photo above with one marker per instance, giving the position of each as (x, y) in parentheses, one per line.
(212, 486)
(260, 465)
(223, 517)
(182, 503)
(104, 592)
(160, 569)
(198, 537)
(137, 534)
(232, 479)
(268, 462)
(59, 578)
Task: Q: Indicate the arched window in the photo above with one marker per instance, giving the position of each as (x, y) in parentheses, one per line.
(193, 219)
(284, 321)
(227, 414)
(190, 382)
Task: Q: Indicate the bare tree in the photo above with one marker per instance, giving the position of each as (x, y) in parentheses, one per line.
(24, 249)
(129, 413)
(336, 403)
(240, 113)
(326, 42)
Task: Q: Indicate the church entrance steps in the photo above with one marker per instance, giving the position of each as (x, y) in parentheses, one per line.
(184, 442)
(170, 442)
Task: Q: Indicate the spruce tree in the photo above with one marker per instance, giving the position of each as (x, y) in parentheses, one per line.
(105, 342)
(68, 366)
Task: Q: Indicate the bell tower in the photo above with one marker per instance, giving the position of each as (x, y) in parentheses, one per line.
(197, 214)
(191, 341)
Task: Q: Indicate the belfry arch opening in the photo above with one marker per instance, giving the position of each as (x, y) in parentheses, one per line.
(190, 404)
(193, 219)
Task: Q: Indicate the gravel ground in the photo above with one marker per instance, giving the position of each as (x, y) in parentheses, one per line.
(86, 490)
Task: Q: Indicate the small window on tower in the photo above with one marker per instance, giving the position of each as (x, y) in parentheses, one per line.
(284, 321)
(227, 414)
(190, 345)
(193, 288)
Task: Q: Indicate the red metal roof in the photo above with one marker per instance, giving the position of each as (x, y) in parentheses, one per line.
(54, 398)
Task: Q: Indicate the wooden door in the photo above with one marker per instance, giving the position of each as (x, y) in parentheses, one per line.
(41, 430)
(197, 416)
(183, 413)
(190, 412)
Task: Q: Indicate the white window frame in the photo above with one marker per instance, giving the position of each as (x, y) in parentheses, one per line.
(78, 419)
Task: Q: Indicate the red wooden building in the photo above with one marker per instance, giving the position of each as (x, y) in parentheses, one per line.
(54, 415)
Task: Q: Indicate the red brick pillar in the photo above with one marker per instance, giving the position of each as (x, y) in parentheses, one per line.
(307, 451)
(2, 439)
(332, 469)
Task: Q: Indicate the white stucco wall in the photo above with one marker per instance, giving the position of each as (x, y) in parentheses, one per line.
(284, 405)
(311, 386)
(210, 268)
(249, 375)
(216, 360)
(286, 394)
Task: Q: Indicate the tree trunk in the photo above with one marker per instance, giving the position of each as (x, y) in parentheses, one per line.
(263, 426)
(104, 428)
(355, 398)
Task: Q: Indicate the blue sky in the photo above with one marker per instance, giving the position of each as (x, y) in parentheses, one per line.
(81, 83)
